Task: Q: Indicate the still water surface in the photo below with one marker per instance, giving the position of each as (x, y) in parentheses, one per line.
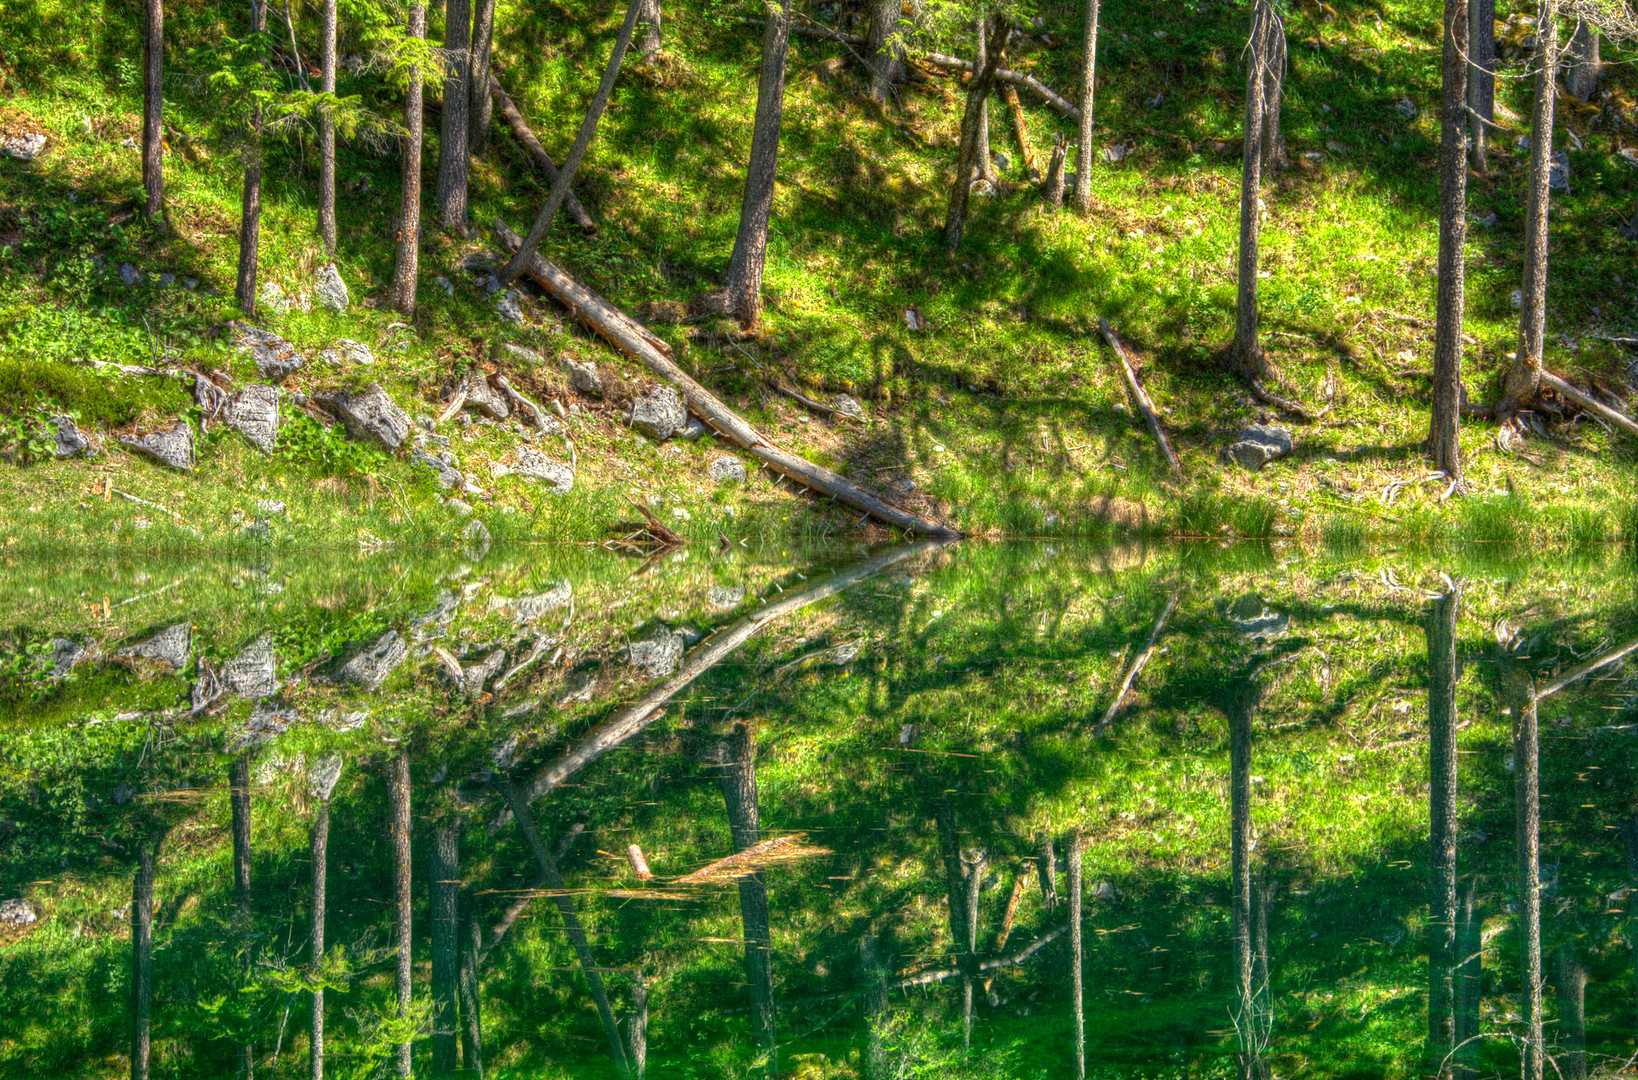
(989, 811)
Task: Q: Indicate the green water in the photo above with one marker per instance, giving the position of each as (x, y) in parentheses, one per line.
(897, 743)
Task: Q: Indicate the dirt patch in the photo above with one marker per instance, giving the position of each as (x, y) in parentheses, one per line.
(1123, 514)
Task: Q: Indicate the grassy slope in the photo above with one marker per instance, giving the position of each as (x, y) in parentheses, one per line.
(1005, 414)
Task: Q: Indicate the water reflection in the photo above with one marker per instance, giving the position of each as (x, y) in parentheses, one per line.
(928, 810)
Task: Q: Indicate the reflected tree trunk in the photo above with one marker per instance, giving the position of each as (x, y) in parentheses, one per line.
(1572, 1014)
(973, 864)
(956, 898)
(1629, 842)
(471, 1018)
(142, 959)
(1047, 867)
(398, 798)
(737, 778)
(1441, 642)
(1521, 694)
(321, 862)
(1245, 697)
(239, 797)
(444, 891)
(873, 1010)
(636, 1025)
(1077, 992)
(1469, 979)
(1262, 896)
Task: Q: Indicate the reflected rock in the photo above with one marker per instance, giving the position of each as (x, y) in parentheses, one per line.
(844, 653)
(169, 648)
(251, 674)
(370, 668)
(530, 608)
(659, 655)
(1255, 620)
(579, 686)
(725, 596)
(173, 448)
(440, 613)
(265, 722)
(336, 720)
(323, 775)
(17, 913)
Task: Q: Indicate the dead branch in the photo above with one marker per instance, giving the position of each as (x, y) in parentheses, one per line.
(1137, 666)
(1145, 406)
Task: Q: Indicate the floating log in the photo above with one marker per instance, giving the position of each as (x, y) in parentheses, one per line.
(634, 340)
(526, 138)
(1145, 406)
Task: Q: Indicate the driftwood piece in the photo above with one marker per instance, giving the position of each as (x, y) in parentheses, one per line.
(639, 865)
(1139, 662)
(635, 341)
(1588, 402)
(537, 153)
(454, 405)
(521, 402)
(1145, 406)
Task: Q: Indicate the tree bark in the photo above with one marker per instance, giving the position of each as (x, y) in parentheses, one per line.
(1077, 993)
(1442, 958)
(1525, 376)
(398, 799)
(742, 292)
(450, 191)
(884, 51)
(471, 1019)
(1273, 95)
(650, 29)
(1083, 153)
(1481, 77)
(1469, 978)
(444, 890)
(321, 863)
(1242, 708)
(407, 265)
(153, 110)
(1053, 187)
(985, 169)
(978, 91)
(1047, 867)
(1572, 1014)
(737, 779)
(956, 901)
(1582, 63)
(537, 153)
(327, 133)
(873, 1009)
(480, 102)
(571, 923)
(636, 1025)
(239, 799)
(1521, 694)
(142, 959)
(1445, 422)
(1248, 350)
(588, 127)
(250, 201)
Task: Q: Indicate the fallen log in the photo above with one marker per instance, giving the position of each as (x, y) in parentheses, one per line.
(1013, 78)
(635, 341)
(1145, 406)
(1581, 671)
(1019, 131)
(537, 153)
(1590, 403)
(1137, 666)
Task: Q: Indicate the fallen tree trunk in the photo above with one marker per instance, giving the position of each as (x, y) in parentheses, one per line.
(1581, 671)
(526, 138)
(1137, 666)
(634, 340)
(1145, 406)
(1012, 78)
(1588, 402)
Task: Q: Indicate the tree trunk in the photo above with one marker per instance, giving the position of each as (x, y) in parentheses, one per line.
(537, 153)
(1020, 132)
(737, 779)
(637, 1028)
(407, 265)
(588, 128)
(153, 110)
(398, 799)
(1525, 376)
(444, 892)
(471, 1018)
(1469, 978)
(1527, 804)
(1248, 350)
(142, 959)
(949, 848)
(1481, 77)
(1261, 985)
(321, 864)
(1273, 94)
(250, 202)
(1442, 959)
(1572, 1014)
(978, 91)
(327, 133)
(1053, 188)
(884, 51)
(985, 169)
(742, 293)
(1047, 867)
(480, 103)
(1077, 994)
(1443, 445)
(571, 923)
(1083, 153)
(239, 798)
(650, 29)
(1582, 63)
(973, 871)
(449, 193)
(1242, 708)
(873, 1009)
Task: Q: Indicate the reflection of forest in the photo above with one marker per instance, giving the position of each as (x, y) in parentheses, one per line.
(979, 811)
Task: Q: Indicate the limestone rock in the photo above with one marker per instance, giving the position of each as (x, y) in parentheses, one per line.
(253, 673)
(445, 475)
(849, 406)
(723, 597)
(658, 413)
(266, 722)
(509, 307)
(330, 290)
(534, 465)
(69, 439)
(168, 648)
(173, 447)
(23, 147)
(275, 357)
(582, 377)
(728, 470)
(517, 354)
(370, 667)
(475, 676)
(323, 775)
(346, 350)
(254, 413)
(530, 608)
(484, 398)
(1259, 444)
(371, 416)
(65, 656)
(17, 912)
(129, 275)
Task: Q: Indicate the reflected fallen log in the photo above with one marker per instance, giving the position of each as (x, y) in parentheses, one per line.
(1138, 664)
(1581, 671)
